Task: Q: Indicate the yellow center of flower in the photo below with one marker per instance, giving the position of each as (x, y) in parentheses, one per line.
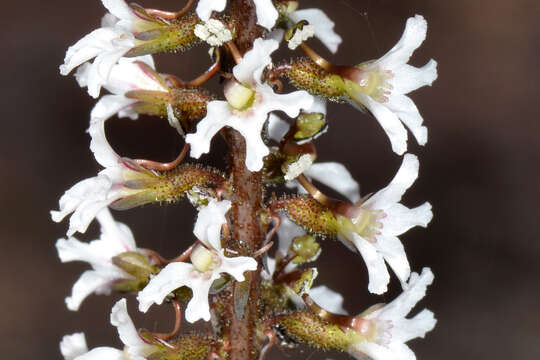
(203, 259)
(370, 82)
(364, 223)
(240, 97)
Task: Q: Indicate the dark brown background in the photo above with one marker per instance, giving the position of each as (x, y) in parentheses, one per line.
(480, 170)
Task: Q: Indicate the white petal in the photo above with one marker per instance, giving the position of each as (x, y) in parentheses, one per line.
(413, 292)
(103, 353)
(205, 8)
(90, 281)
(236, 266)
(115, 234)
(170, 278)
(390, 123)
(73, 345)
(276, 34)
(286, 233)
(198, 307)
(408, 78)
(378, 274)
(87, 48)
(324, 27)
(407, 112)
(377, 352)
(400, 218)
(328, 299)
(416, 327)
(106, 107)
(129, 75)
(120, 9)
(98, 74)
(412, 38)
(337, 177)
(393, 252)
(126, 330)
(209, 222)
(266, 13)
(404, 178)
(277, 127)
(290, 103)
(250, 69)
(217, 115)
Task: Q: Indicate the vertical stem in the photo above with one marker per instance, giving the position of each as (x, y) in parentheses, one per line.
(247, 237)
(245, 21)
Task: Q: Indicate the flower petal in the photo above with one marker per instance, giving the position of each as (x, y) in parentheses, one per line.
(126, 330)
(328, 299)
(90, 281)
(390, 123)
(277, 127)
(209, 222)
(290, 103)
(250, 69)
(217, 115)
(170, 278)
(416, 327)
(198, 307)
(116, 235)
(266, 13)
(407, 111)
(120, 9)
(393, 252)
(400, 218)
(378, 274)
(408, 78)
(324, 27)
(286, 233)
(103, 353)
(236, 266)
(73, 345)
(404, 178)
(413, 36)
(205, 8)
(337, 177)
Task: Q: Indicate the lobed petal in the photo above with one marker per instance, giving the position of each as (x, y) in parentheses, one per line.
(217, 115)
(126, 329)
(393, 252)
(328, 299)
(266, 13)
(408, 113)
(73, 346)
(250, 69)
(324, 27)
(408, 78)
(89, 282)
(210, 219)
(205, 8)
(337, 177)
(198, 307)
(400, 218)
(236, 266)
(377, 272)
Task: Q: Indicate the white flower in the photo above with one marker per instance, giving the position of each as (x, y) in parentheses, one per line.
(381, 85)
(105, 45)
(208, 262)
(73, 346)
(301, 35)
(323, 26)
(213, 32)
(116, 238)
(266, 12)
(373, 227)
(385, 330)
(249, 101)
(120, 180)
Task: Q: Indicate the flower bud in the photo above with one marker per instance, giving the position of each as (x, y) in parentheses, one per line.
(306, 249)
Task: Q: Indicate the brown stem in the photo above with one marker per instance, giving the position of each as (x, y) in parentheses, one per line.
(154, 165)
(160, 260)
(313, 191)
(170, 15)
(213, 70)
(341, 320)
(177, 323)
(236, 54)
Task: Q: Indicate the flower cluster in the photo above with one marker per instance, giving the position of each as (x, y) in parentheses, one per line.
(227, 276)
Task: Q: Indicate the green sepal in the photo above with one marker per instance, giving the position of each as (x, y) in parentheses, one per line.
(309, 126)
(186, 347)
(308, 213)
(304, 281)
(306, 248)
(308, 328)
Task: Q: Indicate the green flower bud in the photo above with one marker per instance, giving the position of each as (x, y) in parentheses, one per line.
(306, 248)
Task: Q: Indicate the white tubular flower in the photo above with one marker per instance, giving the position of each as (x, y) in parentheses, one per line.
(121, 182)
(208, 262)
(72, 346)
(266, 12)
(384, 331)
(213, 32)
(105, 45)
(116, 238)
(249, 101)
(323, 26)
(128, 75)
(381, 85)
(373, 227)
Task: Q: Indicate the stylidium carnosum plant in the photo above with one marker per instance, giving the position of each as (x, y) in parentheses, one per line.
(250, 272)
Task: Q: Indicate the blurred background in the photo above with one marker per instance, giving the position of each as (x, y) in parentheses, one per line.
(480, 170)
